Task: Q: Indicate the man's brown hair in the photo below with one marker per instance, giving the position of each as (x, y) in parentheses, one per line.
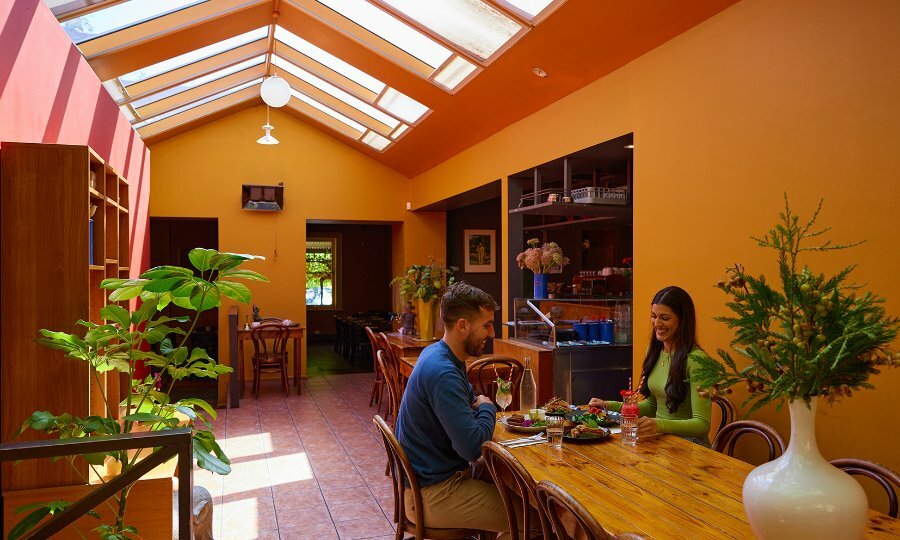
(463, 301)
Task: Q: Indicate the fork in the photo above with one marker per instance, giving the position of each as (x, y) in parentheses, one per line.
(523, 440)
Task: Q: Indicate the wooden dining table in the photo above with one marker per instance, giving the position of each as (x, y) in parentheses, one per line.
(665, 487)
(295, 333)
(403, 345)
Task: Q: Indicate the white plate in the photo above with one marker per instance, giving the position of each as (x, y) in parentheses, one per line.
(520, 429)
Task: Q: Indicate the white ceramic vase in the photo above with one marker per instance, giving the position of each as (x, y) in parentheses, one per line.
(800, 494)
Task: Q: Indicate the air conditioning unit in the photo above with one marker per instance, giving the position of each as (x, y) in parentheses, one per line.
(264, 198)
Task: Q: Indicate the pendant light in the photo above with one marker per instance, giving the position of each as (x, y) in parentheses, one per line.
(267, 138)
(275, 91)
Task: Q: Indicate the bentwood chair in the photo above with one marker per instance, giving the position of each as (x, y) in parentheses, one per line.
(886, 478)
(728, 436)
(404, 478)
(269, 353)
(393, 385)
(483, 372)
(378, 378)
(569, 519)
(728, 410)
(517, 489)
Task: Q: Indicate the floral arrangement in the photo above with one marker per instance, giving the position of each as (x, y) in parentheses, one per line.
(541, 259)
(425, 281)
(814, 337)
(627, 263)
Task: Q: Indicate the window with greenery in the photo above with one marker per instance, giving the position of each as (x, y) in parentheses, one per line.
(322, 273)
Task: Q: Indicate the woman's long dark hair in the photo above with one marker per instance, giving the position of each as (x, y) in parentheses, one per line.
(679, 301)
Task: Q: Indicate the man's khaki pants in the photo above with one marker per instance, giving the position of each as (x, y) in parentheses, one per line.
(460, 502)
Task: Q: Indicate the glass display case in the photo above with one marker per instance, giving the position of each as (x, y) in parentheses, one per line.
(573, 322)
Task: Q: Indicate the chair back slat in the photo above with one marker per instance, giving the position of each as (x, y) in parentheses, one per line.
(886, 478)
(483, 372)
(515, 485)
(403, 475)
(566, 516)
(728, 410)
(727, 438)
(390, 379)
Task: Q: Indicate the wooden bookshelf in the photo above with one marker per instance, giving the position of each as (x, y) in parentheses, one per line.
(49, 280)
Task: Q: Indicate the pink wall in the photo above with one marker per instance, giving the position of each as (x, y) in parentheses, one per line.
(48, 93)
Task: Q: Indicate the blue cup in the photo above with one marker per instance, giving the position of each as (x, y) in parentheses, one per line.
(581, 330)
(606, 331)
(593, 331)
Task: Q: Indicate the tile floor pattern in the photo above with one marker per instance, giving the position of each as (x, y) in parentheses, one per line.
(305, 467)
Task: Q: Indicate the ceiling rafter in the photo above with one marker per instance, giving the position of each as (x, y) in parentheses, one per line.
(176, 105)
(511, 13)
(79, 8)
(271, 43)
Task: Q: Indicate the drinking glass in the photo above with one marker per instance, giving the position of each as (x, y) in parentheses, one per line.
(555, 431)
(504, 395)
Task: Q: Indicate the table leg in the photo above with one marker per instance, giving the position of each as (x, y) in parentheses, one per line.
(241, 365)
(297, 382)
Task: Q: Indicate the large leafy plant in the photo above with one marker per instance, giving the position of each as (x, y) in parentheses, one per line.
(126, 338)
(425, 281)
(815, 335)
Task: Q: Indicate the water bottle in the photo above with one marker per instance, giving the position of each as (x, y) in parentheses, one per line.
(528, 389)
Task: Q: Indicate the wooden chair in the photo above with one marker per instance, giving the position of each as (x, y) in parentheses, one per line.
(378, 378)
(392, 384)
(483, 372)
(516, 487)
(886, 478)
(570, 520)
(390, 356)
(729, 411)
(269, 353)
(727, 437)
(404, 478)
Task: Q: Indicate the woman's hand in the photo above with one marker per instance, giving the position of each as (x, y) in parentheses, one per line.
(646, 426)
(597, 402)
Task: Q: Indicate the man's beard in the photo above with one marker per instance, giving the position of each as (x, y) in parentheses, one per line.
(474, 346)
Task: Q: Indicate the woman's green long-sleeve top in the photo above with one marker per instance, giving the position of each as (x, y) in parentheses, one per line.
(692, 418)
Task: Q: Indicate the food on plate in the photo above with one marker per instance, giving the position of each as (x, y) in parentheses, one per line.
(586, 431)
(521, 421)
(556, 406)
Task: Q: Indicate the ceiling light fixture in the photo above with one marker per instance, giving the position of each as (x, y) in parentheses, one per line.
(267, 138)
(629, 146)
(275, 91)
(539, 72)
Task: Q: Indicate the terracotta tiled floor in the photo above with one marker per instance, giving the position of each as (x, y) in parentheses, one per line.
(308, 466)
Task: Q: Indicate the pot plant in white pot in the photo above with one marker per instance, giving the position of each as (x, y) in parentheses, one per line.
(117, 346)
(814, 338)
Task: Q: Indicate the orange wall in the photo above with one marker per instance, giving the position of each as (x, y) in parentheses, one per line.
(199, 174)
(763, 98)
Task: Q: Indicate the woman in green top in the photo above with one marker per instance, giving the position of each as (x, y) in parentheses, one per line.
(672, 403)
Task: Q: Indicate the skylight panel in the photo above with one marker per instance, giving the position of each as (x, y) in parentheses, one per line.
(106, 21)
(399, 131)
(198, 81)
(193, 56)
(454, 73)
(376, 141)
(328, 110)
(328, 60)
(197, 103)
(470, 24)
(115, 90)
(402, 105)
(336, 92)
(531, 8)
(392, 30)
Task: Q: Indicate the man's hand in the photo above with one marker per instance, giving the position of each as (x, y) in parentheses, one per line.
(479, 400)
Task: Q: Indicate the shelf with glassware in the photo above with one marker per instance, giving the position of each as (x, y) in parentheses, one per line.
(573, 322)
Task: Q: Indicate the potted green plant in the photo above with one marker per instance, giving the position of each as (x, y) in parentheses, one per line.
(812, 336)
(123, 340)
(425, 283)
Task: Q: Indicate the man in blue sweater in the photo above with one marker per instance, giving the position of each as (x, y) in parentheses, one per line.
(442, 424)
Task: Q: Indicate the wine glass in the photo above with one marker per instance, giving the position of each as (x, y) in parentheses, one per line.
(504, 394)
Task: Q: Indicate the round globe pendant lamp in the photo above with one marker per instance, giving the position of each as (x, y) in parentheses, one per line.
(275, 91)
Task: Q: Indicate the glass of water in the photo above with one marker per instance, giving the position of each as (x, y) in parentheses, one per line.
(555, 431)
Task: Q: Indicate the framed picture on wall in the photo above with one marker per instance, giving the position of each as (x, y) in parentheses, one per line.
(480, 250)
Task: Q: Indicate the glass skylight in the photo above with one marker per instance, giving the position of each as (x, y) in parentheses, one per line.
(402, 105)
(193, 56)
(392, 30)
(190, 106)
(328, 110)
(198, 81)
(376, 141)
(106, 21)
(328, 60)
(529, 7)
(470, 24)
(454, 73)
(336, 92)
(399, 131)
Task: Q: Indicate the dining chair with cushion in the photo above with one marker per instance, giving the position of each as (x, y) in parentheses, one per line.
(570, 520)
(517, 489)
(269, 353)
(728, 410)
(884, 477)
(378, 378)
(728, 436)
(483, 372)
(404, 478)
